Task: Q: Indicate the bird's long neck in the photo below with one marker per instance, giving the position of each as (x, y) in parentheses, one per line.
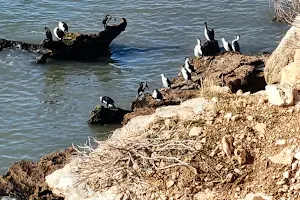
(186, 62)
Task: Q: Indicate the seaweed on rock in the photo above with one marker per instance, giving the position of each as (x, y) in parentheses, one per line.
(73, 46)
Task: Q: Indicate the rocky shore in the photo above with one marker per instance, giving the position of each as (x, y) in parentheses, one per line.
(230, 133)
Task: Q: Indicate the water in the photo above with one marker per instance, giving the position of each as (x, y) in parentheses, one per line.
(44, 108)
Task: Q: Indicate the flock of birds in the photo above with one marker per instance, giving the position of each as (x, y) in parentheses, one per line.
(186, 70)
(60, 31)
(210, 36)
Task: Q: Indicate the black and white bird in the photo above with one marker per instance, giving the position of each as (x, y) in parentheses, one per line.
(198, 49)
(226, 45)
(209, 34)
(108, 101)
(59, 34)
(63, 26)
(235, 44)
(106, 19)
(157, 95)
(142, 87)
(166, 82)
(190, 68)
(48, 34)
(186, 75)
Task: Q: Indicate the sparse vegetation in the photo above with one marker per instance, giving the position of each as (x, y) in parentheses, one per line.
(286, 10)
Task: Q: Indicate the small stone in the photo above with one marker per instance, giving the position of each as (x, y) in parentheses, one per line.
(219, 167)
(241, 156)
(280, 182)
(198, 146)
(291, 110)
(297, 186)
(229, 178)
(238, 171)
(294, 166)
(297, 174)
(235, 118)
(280, 142)
(257, 196)
(170, 184)
(250, 118)
(285, 188)
(286, 174)
(195, 131)
(260, 128)
(237, 143)
(239, 92)
(214, 99)
(297, 155)
(262, 100)
(238, 189)
(285, 157)
(247, 93)
(227, 145)
(293, 180)
(228, 116)
(203, 140)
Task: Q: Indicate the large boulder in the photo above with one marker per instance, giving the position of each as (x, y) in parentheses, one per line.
(281, 66)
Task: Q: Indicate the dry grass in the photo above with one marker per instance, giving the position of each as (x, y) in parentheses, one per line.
(286, 10)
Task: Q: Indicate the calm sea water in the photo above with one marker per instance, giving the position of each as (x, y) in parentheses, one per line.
(44, 108)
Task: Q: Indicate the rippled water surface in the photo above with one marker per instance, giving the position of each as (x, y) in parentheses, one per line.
(44, 108)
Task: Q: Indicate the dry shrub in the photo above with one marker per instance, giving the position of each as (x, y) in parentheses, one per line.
(286, 10)
(143, 167)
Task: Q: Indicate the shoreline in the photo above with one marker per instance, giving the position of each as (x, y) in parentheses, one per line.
(181, 91)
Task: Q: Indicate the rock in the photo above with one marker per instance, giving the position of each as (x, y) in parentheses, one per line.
(283, 55)
(250, 118)
(227, 145)
(241, 155)
(260, 128)
(285, 157)
(234, 70)
(291, 73)
(235, 118)
(294, 166)
(262, 100)
(257, 196)
(206, 195)
(214, 99)
(247, 93)
(239, 92)
(170, 183)
(281, 95)
(297, 155)
(195, 131)
(280, 142)
(222, 90)
(297, 186)
(229, 178)
(219, 167)
(281, 182)
(286, 174)
(228, 116)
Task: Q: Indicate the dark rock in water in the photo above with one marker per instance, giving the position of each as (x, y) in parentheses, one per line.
(74, 46)
(211, 48)
(26, 180)
(102, 115)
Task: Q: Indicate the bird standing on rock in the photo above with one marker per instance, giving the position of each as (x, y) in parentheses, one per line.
(198, 49)
(59, 34)
(186, 75)
(142, 87)
(209, 34)
(108, 101)
(63, 26)
(166, 82)
(48, 34)
(226, 45)
(157, 95)
(188, 66)
(235, 44)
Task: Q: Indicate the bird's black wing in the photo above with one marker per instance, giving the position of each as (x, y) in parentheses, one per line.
(169, 82)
